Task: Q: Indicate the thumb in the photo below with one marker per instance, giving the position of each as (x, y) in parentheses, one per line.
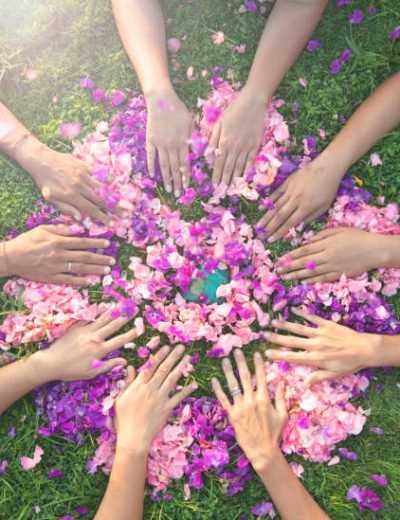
(317, 377)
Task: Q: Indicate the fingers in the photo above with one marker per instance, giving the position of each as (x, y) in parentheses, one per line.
(220, 158)
(172, 379)
(280, 402)
(151, 159)
(295, 219)
(176, 173)
(261, 382)
(111, 326)
(154, 361)
(295, 328)
(90, 258)
(101, 320)
(312, 318)
(290, 341)
(93, 210)
(65, 208)
(220, 394)
(120, 341)
(109, 364)
(250, 161)
(229, 165)
(271, 214)
(215, 135)
(307, 273)
(318, 376)
(85, 243)
(184, 166)
(67, 279)
(165, 169)
(165, 368)
(90, 194)
(130, 375)
(331, 276)
(244, 372)
(299, 253)
(297, 358)
(78, 268)
(180, 396)
(231, 380)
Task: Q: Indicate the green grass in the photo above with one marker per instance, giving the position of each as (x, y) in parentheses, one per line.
(68, 39)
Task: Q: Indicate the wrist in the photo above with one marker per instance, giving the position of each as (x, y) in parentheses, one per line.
(160, 91)
(268, 462)
(256, 94)
(5, 265)
(388, 251)
(29, 153)
(127, 446)
(39, 369)
(329, 165)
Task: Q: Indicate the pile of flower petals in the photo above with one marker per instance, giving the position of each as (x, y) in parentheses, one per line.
(170, 254)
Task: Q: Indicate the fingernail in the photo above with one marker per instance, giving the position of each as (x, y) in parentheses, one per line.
(287, 277)
(194, 386)
(214, 380)
(268, 354)
(266, 335)
(168, 189)
(274, 323)
(180, 348)
(279, 270)
(165, 349)
(106, 243)
(112, 261)
(271, 239)
(225, 362)
(237, 352)
(106, 270)
(112, 222)
(257, 355)
(125, 214)
(177, 193)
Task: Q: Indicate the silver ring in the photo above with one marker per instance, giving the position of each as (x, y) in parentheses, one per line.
(69, 266)
(235, 391)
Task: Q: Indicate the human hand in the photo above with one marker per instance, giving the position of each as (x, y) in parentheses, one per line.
(64, 180)
(334, 349)
(333, 252)
(237, 136)
(169, 128)
(49, 254)
(79, 352)
(258, 424)
(303, 197)
(144, 406)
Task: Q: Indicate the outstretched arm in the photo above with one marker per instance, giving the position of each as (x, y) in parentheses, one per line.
(63, 179)
(169, 125)
(142, 409)
(76, 355)
(309, 192)
(238, 134)
(258, 425)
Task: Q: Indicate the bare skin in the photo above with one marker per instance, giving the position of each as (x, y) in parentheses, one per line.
(333, 349)
(50, 254)
(169, 125)
(337, 251)
(63, 180)
(76, 355)
(309, 192)
(258, 426)
(142, 409)
(238, 133)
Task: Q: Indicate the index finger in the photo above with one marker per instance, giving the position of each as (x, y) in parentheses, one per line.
(220, 394)
(261, 381)
(85, 243)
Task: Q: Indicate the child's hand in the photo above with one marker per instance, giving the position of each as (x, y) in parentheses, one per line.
(78, 354)
(169, 128)
(334, 252)
(50, 254)
(142, 409)
(334, 349)
(236, 137)
(258, 424)
(303, 197)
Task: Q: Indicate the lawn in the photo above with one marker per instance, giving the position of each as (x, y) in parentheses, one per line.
(65, 40)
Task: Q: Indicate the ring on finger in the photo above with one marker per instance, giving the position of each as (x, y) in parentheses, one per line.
(69, 267)
(235, 391)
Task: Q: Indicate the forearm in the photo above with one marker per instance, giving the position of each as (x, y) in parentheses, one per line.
(377, 116)
(141, 26)
(123, 499)
(287, 30)
(289, 496)
(19, 378)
